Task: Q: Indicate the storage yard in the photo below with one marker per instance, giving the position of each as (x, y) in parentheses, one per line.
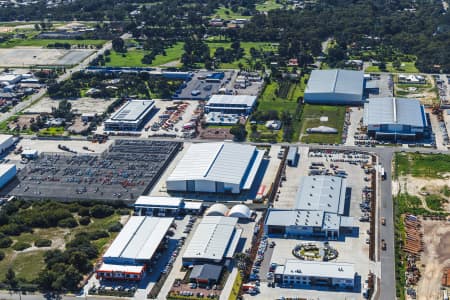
(123, 172)
(32, 56)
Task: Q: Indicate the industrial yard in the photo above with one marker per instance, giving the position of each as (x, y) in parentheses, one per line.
(123, 172)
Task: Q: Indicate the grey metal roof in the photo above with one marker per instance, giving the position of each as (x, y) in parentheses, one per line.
(317, 269)
(206, 271)
(222, 162)
(246, 100)
(212, 238)
(394, 111)
(133, 110)
(335, 81)
(325, 193)
(139, 239)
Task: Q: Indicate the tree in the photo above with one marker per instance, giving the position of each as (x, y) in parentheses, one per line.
(10, 279)
(397, 64)
(118, 45)
(239, 132)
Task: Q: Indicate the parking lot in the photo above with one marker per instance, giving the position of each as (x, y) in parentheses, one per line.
(32, 56)
(124, 172)
(352, 248)
(200, 88)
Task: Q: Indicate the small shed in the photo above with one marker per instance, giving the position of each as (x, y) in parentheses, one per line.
(206, 274)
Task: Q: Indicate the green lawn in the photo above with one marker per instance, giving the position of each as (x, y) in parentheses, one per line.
(423, 165)
(52, 131)
(270, 101)
(133, 58)
(260, 46)
(268, 5)
(228, 14)
(44, 42)
(310, 118)
(406, 67)
(27, 265)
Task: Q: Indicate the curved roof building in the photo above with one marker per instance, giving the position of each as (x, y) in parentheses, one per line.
(240, 211)
(217, 209)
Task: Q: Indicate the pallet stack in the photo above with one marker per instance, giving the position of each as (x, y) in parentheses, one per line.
(413, 241)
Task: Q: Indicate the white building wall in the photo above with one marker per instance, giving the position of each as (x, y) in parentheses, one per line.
(333, 98)
(6, 144)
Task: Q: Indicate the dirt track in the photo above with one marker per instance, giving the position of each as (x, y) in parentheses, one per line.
(435, 258)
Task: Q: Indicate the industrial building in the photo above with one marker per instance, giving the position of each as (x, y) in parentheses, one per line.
(335, 87)
(134, 248)
(395, 118)
(166, 206)
(321, 192)
(319, 210)
(214, 241)
(216, 168)
(7, 172)
(208, 274)
(306, 223)
(131, 116)
(292, 156)
(231, 104)
(314, 274)
(6, 141)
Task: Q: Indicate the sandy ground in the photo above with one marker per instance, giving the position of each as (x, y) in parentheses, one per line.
(414, 186)
(435, 258)
(79, 106)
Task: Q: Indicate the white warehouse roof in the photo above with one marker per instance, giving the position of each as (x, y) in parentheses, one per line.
(240, 211)
(138, 240)
(221, 162)
(217, 209)
(400, 111)
(214, 239)
(158, 201)
(325, 193)
(335, 81)
(317, 269)
(233, 100)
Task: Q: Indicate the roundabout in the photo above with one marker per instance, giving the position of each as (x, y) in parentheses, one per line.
(313, 251)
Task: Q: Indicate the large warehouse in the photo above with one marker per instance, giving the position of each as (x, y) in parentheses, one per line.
(131, 116)
(319, 210)
(395, 118)
(6, 141)
(216, 168)
(231, 104)
(314, 274)
(134, 248)
(335, 87)
(214, 240)
(7, 172)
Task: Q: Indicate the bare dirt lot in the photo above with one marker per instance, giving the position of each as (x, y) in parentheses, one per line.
(435, 258)
(31, 56)
(79, 106)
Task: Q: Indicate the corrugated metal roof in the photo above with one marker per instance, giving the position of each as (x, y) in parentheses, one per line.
(222, 162)
(295, 218)
(394, 111)
(120, 268)
(212, 238)
(133, 110)
(246, 100)
(139, 239)
(326, 193)
(158, 201)
(317, 269)
(335, 81)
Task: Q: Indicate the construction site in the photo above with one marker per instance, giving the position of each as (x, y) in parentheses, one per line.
(126, 170)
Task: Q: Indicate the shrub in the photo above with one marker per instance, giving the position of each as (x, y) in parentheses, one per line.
(83, 212)
(101, 211)
(43, 243)
(123, 211)
(5, 242)
(97, 234)
(85, 220)
(19, 246)
(68, 223)
(116, 227)
(2, 255)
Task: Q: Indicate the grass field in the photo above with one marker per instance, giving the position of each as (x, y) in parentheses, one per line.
(52, 131)
(133, 58)
(310, 118)
(268, 5)
(406, 67)
(260, 46)
(228, 14)
(20, 261)
(44, 42)
(423, 165)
